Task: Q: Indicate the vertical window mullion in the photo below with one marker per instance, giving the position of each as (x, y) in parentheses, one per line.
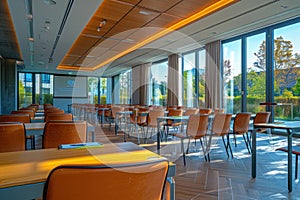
(244, 75)
(33, 88)
(270, 70)
(197, 62)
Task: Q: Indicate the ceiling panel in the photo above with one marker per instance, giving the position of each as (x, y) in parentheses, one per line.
(189, 7)
(8, 40)
(129, 23)
(159, 6)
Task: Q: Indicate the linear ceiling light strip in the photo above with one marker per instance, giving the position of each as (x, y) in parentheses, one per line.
(210, 9)
(61, 28)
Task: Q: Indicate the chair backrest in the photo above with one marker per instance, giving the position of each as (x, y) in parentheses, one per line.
(12, 137)
(63, 132)
(261, 117)
(191, 111)
(219, 110)
(54, 111)
(241, 123)
(30, 112)
(152, 117)
(197, 125)
(29, 108)
(221, 124)
(23, 118)
(58, 117)
(116, 109)
(135, 181)
(175, 113)
(205, 111)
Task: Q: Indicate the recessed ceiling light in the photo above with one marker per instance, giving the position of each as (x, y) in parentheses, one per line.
(31, 39)
(143, 12)
(50, 2)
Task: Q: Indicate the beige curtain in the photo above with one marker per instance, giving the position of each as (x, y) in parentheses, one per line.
(173, 80)
(140, 84)
(213, 76)
(144, 83)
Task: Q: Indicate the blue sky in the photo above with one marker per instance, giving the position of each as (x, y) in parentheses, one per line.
(232, 50)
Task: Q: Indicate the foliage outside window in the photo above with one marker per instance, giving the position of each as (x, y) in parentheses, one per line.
(159, 78)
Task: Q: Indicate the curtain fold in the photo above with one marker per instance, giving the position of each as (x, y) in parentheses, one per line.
(173, 80)
(144, 83)
(140, 84)
(213, 76)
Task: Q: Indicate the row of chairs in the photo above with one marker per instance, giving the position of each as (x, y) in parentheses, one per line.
(13, 134)
(198, 128)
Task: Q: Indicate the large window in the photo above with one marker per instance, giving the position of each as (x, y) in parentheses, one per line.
(264, 66)
(93, 90)
(43, 88)
(193, 66)
(25, 89)
(287, 71)
(125, 87)
(189, 80)
(201, 77)
(232, 76)
(103, 90)
(159, 79)
(256, 72)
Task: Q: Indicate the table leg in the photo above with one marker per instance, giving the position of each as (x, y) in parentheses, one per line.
(171, 182)
(254, 153)
(158, 136)
(102, 118)
(116, 125)
(290, 161)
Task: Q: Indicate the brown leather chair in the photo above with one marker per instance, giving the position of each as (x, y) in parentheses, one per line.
(171, 123)
(12, 137)
(63, 132)
(30, 112)
(132, 181)
(205, 111)
(23, 118)
(58, 117)
(196, 129)
(191, 111)
(241, 127)
(54, 111)
(220, 128)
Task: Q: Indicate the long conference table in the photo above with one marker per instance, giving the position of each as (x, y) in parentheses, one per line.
(290, 127)
(23, 173)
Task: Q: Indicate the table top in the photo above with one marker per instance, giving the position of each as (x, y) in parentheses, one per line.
(41, 125)
(34, 126)
(29, 167)
(174, 118)
(281, 125)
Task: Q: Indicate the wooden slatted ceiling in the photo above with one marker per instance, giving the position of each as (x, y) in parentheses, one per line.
(123, 28)
(8, 39)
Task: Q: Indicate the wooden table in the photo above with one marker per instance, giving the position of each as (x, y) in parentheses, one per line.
(290, 128)
(38, 129)
(24, 173)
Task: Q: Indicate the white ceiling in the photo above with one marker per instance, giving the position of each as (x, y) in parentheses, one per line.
(241, 17)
